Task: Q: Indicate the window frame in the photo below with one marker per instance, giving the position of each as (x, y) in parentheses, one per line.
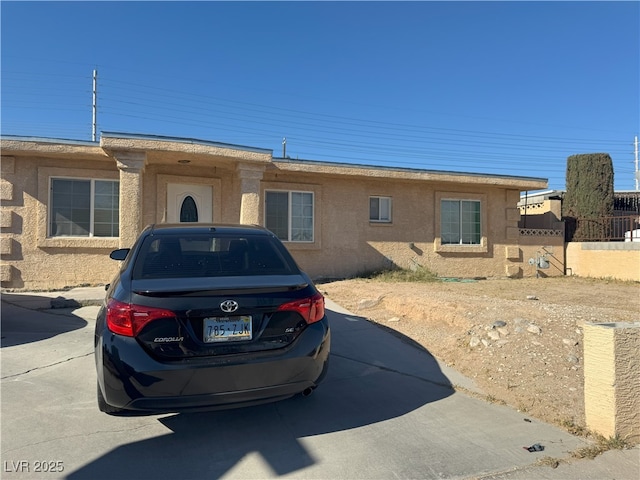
(477, 249)
(92, 193)
(462, 223)
(289, 193)
(390, 208)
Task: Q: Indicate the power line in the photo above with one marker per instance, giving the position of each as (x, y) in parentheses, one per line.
(311, 134)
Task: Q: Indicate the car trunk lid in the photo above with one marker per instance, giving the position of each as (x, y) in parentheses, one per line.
(222, 315)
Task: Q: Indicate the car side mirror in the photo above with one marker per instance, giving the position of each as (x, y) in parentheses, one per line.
(119, 254)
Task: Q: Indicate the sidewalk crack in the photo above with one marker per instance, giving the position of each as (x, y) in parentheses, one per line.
(46, 366)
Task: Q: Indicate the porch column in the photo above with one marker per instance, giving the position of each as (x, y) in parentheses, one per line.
(250, 177)
(131, 166)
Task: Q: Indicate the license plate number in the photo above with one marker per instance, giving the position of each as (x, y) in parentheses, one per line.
(226, 329)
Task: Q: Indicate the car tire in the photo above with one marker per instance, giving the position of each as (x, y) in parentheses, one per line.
(103, 406)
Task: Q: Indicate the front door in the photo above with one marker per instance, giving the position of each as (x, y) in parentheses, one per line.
(189, 203)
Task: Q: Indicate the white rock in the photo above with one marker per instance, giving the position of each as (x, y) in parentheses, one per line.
(573, 359)
(493, 335)
(368, 302)
(534, 329)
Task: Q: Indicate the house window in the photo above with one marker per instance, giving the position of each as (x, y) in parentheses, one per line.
(460, 222)
(380, 209)
(289, 215)
(84, 208)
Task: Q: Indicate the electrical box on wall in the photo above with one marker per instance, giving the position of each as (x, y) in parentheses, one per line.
(540, 262)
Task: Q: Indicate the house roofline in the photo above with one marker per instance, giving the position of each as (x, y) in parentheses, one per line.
(193, 141)
(303, 164)
(64, 141)
(359, 166)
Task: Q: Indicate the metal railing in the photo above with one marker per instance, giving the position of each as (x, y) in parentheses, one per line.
(603, 229)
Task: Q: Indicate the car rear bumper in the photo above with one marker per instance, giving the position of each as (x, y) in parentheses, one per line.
(131, 379)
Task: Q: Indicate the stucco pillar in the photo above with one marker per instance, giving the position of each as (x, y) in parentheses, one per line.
(250, 177)
(131, 166)
(612, 380)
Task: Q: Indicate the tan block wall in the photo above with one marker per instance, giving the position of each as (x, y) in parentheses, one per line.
(618, 260)
(540, 208)
(612, 379)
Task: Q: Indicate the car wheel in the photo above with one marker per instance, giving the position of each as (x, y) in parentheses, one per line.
(103, 406)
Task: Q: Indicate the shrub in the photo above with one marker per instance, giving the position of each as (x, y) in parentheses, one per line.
(589, 195)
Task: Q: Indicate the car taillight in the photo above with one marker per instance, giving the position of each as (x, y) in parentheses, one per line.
(128, 319)
(311, 308)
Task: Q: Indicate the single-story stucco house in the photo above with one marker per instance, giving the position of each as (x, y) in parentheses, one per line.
(67, 204)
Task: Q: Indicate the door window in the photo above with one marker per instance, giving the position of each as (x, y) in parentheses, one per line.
(188, 210)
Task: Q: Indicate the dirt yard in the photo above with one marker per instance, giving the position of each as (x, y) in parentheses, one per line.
(519, 340)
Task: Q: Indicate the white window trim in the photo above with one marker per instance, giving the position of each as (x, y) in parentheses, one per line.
(42, 209)
(313, 219)
(379, 220)
(439, 247)
(460, 200)
(92, 183)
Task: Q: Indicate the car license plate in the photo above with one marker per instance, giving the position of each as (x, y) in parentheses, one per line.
(225, 329)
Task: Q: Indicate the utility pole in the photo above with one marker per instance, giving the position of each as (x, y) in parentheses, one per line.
(284, 147)
(95, 100)
(637, 175)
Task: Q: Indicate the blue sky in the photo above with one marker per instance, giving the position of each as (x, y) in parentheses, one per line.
(510, 88)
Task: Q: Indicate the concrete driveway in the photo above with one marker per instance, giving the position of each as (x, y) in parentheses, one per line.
(386, 410)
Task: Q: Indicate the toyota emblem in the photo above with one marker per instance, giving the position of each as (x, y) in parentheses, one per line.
(229, 306)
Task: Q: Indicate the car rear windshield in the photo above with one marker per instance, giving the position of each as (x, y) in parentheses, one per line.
(211, 255)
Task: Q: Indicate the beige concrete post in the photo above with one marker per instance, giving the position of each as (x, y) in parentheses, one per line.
(612, 379)
(250, 177)
(131, 166)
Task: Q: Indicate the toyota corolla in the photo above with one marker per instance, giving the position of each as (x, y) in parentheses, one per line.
(208, 316)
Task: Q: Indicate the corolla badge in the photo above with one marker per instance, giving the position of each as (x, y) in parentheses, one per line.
(168, 339)
(229, 306)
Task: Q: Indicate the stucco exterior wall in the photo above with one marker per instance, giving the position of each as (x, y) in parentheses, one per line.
(617, 260)
(547, 246)
(545, 214)
(32, 260)
(346, 242)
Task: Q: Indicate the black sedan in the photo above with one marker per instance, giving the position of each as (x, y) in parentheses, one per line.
(208, 316)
